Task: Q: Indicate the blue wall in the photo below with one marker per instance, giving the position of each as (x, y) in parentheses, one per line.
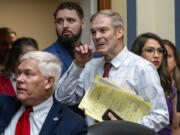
(177, 23)
(131, 22)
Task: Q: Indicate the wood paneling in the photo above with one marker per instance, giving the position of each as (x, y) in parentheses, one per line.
(104, 4)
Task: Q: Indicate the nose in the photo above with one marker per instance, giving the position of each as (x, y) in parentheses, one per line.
(156, 53)
(65, 24)
(97, 36)
(19, 78)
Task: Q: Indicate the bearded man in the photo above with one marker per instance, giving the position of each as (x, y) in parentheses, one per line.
(69, 21)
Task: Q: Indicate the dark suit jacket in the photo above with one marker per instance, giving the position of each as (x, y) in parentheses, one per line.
(68, 123)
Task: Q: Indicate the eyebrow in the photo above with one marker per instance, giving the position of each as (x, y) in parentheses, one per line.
(68, 17)
(154, 47)
(24, 70)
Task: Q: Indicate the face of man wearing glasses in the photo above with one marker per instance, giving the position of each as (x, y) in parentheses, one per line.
(153, 52)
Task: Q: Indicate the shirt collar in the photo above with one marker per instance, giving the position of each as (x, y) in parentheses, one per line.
(44, 107)
(41, 108)
(120, 58)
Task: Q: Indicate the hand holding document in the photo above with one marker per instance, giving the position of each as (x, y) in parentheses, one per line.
(105, 94)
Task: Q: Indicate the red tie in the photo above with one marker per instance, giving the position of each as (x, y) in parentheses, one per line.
(107, 67)
(23, 125)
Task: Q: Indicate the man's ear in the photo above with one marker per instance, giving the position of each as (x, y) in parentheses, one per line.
(83, 22)
(119, 32)
(49, 82)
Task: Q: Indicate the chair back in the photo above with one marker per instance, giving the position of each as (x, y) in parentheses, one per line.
(119, 127)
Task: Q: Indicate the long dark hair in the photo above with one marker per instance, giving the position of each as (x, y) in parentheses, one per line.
(165, 78)
(176, 72)
(15, 52)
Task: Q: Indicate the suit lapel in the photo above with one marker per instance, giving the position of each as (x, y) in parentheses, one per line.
(9, 106)
(52, 120)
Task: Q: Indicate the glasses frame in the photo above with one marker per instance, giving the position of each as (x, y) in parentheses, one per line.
(151, 51)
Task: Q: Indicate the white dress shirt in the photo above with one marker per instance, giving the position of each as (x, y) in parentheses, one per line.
(127, 69)
(36, 118)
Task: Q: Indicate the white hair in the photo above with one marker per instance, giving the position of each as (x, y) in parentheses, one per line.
(49, 64)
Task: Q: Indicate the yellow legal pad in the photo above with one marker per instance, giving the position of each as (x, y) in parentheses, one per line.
(105, 94)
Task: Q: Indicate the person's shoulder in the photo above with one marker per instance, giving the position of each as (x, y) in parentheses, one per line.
(70, 115)
(1, 78)
(71, 123)
(7, 100)
(52, 47)
(139, 61)
(7, 97)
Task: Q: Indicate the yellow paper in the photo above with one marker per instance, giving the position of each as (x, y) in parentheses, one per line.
(101, 96)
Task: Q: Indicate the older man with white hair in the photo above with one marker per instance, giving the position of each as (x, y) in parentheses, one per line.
(34, 111)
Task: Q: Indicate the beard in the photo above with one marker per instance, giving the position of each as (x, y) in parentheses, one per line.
(68, 42)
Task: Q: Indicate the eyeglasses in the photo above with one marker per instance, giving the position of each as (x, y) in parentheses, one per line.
(151, 51)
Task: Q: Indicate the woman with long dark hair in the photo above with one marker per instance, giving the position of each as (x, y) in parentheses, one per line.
(174, 71)
(151, 47)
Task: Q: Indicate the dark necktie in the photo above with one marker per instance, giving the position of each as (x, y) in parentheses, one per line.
(107, 67)
(23, 124)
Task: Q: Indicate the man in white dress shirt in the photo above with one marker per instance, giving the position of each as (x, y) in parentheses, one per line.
(127, 69)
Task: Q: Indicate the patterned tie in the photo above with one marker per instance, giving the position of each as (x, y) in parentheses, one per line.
(23, 125)
(107, 67)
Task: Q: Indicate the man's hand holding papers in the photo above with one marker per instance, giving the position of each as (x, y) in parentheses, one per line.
(105, 94)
